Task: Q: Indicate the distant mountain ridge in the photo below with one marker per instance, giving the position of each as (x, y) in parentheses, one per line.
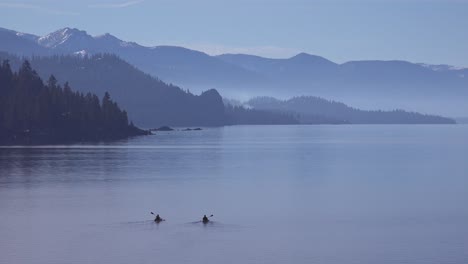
(311, 110)
(366, 84)
(170, 63)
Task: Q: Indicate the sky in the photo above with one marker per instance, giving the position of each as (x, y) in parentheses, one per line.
(429, 31)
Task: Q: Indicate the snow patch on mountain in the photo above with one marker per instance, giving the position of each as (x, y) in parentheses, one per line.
(81, 53)
(442, 67)
(27, 36)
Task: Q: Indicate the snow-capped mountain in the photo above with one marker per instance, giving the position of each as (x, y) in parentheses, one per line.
(66, 37)
(62, 41)
(71, 40)
(174, 64)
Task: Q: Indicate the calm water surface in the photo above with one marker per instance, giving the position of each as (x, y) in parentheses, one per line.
(280, 194)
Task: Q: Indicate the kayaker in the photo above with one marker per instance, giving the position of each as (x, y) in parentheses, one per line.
(205, 219)
(158, 219)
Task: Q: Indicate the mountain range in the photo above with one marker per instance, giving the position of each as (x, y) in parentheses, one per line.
(366, 84)
(387, 85)
(169, 63)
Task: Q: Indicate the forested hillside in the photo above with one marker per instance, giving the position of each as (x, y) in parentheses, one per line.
(239, 115)
(149, 101)
(31, 112)
(308, 108)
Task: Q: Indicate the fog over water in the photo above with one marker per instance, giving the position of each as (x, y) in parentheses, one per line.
(279, 194)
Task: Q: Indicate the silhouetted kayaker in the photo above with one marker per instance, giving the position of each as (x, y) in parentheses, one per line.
(158, 218)
(205, 219)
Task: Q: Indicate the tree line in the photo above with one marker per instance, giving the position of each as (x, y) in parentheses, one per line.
(239, 115)
(34, 112)
(314, 110)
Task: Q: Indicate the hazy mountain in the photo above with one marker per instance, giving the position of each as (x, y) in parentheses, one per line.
(149, 101)
(20, 43)
(302, 66)
(309, 108)
(173, 64)
(365, 84)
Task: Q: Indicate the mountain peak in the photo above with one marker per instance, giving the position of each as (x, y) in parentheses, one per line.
(302, 55)
(306, 56)
(61, 36)
(69, 31)
(107, 36)
(111, 40)
(309, 58)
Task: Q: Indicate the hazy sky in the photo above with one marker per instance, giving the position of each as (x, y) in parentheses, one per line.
(433, 31)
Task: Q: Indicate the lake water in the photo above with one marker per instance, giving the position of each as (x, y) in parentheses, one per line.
(279, 194)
